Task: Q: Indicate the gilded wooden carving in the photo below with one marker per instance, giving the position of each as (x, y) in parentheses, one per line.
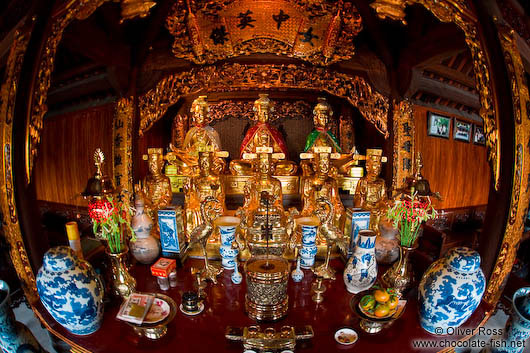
(315, 31)
(521, 176)
(372, 105)
(403, 143)
(122, 148)
(244, 110)
(11, 224)
(80, 9)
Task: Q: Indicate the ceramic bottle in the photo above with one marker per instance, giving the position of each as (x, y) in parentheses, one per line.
(361, 269)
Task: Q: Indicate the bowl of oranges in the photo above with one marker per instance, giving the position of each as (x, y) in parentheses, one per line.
(379, 303)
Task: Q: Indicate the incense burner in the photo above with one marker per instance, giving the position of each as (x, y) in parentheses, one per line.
(267, 278)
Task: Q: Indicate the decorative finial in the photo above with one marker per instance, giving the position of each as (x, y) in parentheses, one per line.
(99, 158)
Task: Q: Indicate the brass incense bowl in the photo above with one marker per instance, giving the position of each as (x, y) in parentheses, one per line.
(267, 278)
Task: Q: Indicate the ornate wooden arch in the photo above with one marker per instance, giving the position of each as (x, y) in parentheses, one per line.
(372, 105)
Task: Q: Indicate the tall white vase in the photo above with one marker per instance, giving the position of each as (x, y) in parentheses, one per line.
(361, 269)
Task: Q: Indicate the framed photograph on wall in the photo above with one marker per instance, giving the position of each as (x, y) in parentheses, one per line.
(462, 131)
(478, 135)
(438, 125)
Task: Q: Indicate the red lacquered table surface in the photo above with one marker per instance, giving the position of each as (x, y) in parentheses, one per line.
(225, 307)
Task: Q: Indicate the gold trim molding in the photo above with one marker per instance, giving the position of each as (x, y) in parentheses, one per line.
(521, 176)
(80, 9)
(403, 143)
(458, 12)
(11, 227)
(372, 105)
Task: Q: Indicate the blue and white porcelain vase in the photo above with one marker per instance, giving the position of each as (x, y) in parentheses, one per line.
(297, 274)
(309, 236)
(450, 290)
(14, 336)
(146, 248)
(517, 328)
(361, 269)
(71, 291)
(227, 229)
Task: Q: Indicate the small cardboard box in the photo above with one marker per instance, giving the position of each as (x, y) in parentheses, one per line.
(163, 267)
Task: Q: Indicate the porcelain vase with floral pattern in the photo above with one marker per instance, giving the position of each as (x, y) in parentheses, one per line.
(450, 290)
(71, 291)
(361, 269)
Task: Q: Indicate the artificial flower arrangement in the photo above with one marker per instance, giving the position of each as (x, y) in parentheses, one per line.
(109, 216)
(408, 213)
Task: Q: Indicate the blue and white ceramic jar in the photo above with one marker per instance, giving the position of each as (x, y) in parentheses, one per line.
(71, 291)
(450, 290)
(361, 269)
(517, 328)
(14, 336)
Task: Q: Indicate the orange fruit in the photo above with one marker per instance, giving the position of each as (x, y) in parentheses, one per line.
(393, 302)
(368, 302)
(381, 296)
(381, 310)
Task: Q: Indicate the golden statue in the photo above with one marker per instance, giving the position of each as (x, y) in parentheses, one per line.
(371, 191)
(262, 134)
(199, 136)
(263, 202)
(198, 188)
(322, 136)
(155, 188)
(321, 185)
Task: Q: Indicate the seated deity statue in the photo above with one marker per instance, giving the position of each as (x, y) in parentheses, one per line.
(322, 136)
(263, 202)
(255, 138)
(200, 135)
(198, 188)
(322, 185)
(371, 193)
(155, 188)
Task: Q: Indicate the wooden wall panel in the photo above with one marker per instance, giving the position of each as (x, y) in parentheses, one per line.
(458, 170)
(65, 160)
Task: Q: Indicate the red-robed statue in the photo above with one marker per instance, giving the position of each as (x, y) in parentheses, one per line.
(262, 134)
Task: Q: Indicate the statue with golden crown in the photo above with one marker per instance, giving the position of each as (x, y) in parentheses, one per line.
(322, 136)
(263, 134)
(199, 136)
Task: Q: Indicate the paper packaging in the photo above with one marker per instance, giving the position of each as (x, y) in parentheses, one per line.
(135, 308)
(163, 267)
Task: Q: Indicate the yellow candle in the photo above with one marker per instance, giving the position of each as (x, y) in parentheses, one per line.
(72, 231)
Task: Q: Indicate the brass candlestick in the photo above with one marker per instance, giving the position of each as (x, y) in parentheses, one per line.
(319, 288)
